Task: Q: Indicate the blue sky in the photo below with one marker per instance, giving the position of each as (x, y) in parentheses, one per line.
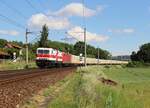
(119, 26)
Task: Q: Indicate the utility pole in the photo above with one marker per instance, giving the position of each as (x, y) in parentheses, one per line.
(85, 55)
(98, 55)
(27, 48)
(84, 24)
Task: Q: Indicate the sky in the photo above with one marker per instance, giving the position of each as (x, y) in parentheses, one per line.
(119, 26)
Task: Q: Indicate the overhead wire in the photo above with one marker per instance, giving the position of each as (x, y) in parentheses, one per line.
(37, 37)
(13, 9)
(13, 22)
(8, 20)
(47, 5)
(37, 11)
(31, 5)
(42, 5)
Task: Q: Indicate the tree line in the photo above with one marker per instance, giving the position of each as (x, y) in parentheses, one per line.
(143, 54)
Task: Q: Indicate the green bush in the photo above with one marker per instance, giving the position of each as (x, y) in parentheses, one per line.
(136, 64)
(107, 66)
(147, 64)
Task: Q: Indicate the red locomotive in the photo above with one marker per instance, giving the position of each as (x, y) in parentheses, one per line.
(47, 57)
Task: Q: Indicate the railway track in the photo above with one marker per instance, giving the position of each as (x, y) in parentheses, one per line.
(13, 76)
(17, 87)
(17, 71)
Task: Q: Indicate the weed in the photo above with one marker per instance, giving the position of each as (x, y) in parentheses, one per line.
(84, 90)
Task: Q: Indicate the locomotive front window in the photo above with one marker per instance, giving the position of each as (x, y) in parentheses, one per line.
(46, 51)
(40, 51)
(43, 51)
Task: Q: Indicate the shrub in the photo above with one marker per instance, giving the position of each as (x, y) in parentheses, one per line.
(107, 66)
(136, 64)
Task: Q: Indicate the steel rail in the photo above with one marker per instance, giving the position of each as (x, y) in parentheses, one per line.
(10, 78)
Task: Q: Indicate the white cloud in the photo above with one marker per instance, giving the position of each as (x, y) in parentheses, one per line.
(126, 30)
(77, 33)
(130, 30)
(9, 32)
(38, 20)
(76, 9)
(59, 19)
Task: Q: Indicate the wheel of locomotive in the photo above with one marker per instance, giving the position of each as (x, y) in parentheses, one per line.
(40, 64)
(59, 64)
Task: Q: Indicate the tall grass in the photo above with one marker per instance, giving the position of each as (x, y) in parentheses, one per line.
(9, 65)
(135, 81)
(85, 90)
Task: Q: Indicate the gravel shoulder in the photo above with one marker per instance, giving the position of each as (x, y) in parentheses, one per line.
(14, 94)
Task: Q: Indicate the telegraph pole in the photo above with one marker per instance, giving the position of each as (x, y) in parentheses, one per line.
(98, 55)
(27, 48)
(85, 55)
(84, 24)
(27, 58)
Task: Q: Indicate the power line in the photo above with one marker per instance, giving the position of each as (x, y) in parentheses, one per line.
(8, 20)
(47, 5)
(13, 9)
(31, 5)
(35, 39)
(41, 4)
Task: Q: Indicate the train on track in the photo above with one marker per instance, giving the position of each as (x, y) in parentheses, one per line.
(49, 57)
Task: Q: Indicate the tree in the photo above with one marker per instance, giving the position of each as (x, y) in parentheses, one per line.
(134, 56)
(143, 54)
(2, 43)
(17, 43)
(79, 48)
(91, 51)
(44, 37)
(103, 54)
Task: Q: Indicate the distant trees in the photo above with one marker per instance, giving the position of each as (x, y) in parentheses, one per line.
(18, 43)
(75, 49)
(2, 43)
(91, 51)
(61, 46)
(143, 54)
(79, 48)
(44, 37)
(103, 54)
(134, 56)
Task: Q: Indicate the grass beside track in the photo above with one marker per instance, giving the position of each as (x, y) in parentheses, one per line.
(9, 65)
(85, 90)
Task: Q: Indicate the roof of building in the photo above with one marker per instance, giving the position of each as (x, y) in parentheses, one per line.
(12, 45)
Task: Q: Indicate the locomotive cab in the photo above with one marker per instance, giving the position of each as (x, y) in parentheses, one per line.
(48, 57)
